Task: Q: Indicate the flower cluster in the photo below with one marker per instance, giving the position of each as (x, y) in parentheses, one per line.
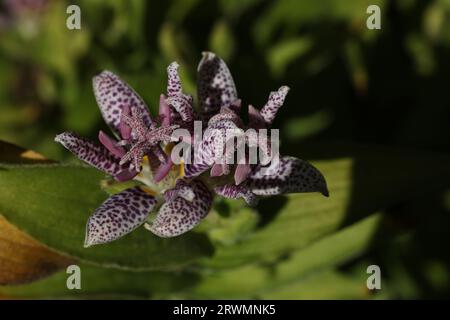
(182, 194)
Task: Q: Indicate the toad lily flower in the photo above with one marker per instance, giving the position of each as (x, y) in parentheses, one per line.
(138, 154)
(220, 106)
(182, 194)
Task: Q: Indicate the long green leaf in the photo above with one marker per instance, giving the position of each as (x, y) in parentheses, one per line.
(372, 180)
(53, 202)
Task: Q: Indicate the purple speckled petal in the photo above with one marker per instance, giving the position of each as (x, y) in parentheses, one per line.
(215, 85)
(94, 154)
(180, 215)
(182, 189)
(275, 101)
(213, 145)
(232, 191)
(112, 95)
(193, 170)
(181, 102)
(289, 175)
(118, 215)
(225, 114)
(183, 105)
(174, 81)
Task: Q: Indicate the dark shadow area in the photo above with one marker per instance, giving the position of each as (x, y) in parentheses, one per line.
(269, 208)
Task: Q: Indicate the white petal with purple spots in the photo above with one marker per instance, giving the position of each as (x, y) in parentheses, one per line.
(275, 101)
(181, 102)
(215, 85)
(118, 215)
(112, 95)
(179, 215)
(232, 191)
(94, 154)
(289, 175)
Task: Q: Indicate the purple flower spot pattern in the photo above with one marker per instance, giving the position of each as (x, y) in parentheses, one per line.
(94, 154)
(215, 85)
(231, 191)
(187, 200)
(112, 95)
(287, 176)
(275, 101)
(179, 215)
(118, 215)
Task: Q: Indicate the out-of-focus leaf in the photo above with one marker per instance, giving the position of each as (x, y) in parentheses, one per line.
(357, 67)
(221, 40)
(329, 284)
(81, 113)
(234, 8)
(105, 283)
(421, 52)
(233, 229)
(285, 52)
(23, 259)
(172, 42)
(52, 203)
(256, 280)
(290, 14)
(434, 20)
(373, 179)
(300, 128)
(180, 9)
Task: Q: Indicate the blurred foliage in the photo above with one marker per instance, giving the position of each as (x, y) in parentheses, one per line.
(369, 106)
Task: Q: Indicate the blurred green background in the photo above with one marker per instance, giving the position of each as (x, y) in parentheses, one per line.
(378, 97)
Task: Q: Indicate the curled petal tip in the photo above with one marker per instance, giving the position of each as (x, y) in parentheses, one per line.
(208, 54)
(284, 89)
(173, 65)
(325, 192)
(99, 76)
(87, 243)
(58, 137)
(275, 101)
(288, 175)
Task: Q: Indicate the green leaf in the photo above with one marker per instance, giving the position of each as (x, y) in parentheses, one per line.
(329, 284)
(372, 180)
(258, 279)
(221, 40)
(53, 202)
(105, 283)
(306, 273)
(282, 54)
